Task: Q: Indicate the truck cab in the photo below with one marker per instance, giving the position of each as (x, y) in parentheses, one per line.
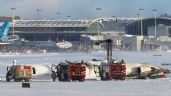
(19, 73)
(67, 71)
(112, 70)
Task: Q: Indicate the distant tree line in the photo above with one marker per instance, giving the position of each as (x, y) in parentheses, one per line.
(6, 18)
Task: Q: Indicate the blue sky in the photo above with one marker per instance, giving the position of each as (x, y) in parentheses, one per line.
(81, 9)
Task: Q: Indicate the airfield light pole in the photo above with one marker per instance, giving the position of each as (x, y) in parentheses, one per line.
(98, 9)
(138, 18)
(13, 9)
(155, 29)
(38, 13)
(141, 12)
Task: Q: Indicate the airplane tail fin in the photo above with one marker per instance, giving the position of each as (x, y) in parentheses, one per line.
(4, 29)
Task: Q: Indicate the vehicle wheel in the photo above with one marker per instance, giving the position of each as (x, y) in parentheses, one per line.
(7, 77)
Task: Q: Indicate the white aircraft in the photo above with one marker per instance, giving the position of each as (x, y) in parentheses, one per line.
(64, 44)
(43, 72)
(133, 71)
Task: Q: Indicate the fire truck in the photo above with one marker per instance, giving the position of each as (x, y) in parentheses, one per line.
(111, 69)
(118, 70)
(19, 73)
(69, 71)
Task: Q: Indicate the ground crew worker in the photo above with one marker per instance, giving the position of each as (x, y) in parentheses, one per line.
(14, 62)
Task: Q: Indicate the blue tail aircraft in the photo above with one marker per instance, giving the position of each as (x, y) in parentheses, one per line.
(4, 29)
(4, 38)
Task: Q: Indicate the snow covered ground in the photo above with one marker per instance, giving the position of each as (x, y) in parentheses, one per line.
(89, 88)
(158, 87)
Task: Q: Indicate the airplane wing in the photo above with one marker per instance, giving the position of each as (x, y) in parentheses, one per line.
(4, 43)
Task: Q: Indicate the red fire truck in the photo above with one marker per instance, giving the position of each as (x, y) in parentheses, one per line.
(67, 71)
(111, 69)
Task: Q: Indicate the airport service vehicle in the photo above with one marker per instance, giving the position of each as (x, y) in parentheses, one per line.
(118, 70)
(19, 73)
(111, 69)
(69, 71)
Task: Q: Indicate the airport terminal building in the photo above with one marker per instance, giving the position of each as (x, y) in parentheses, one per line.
(134, 28)
(70, 30)
(51, 30)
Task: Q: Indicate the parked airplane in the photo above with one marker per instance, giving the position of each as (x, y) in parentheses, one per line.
(63, 44)
(4, 38)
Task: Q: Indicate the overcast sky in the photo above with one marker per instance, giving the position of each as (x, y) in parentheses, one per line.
(81, 9)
